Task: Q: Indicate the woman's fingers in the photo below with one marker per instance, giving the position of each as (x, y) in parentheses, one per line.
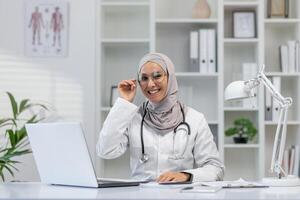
(127, 84)
(127, 89)
(172, 176)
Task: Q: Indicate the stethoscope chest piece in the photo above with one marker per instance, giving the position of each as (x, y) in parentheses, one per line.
(144, 158)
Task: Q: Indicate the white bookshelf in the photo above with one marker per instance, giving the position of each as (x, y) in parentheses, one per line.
(127, 29)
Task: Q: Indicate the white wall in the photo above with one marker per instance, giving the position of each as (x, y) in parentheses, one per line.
(67, 83)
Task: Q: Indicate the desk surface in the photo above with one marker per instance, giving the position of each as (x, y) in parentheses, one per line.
(41, 191)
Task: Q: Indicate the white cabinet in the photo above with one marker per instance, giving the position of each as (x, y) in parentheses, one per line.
(128, 29)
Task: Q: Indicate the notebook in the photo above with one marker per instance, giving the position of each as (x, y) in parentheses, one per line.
(62, 158)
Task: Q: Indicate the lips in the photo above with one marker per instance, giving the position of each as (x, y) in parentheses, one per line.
(151, 92)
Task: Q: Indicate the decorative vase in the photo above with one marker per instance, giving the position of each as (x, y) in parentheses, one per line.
(201, 9)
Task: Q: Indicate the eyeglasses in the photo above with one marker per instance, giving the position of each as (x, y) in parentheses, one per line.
(156, 77)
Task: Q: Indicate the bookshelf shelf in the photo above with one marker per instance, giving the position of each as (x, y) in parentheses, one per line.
(238, 146)
(117, 4)
(240, 109)
(240, 4)
(186, 21)
(271, 123)
(212, 122)
(281, 74)
(195, 74)
(236, 40)
(124, 40)
(105, 109)
(282, 21)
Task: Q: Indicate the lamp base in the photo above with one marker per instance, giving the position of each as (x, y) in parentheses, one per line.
(288, 181)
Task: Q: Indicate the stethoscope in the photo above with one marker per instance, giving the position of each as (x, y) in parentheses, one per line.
(145, 157)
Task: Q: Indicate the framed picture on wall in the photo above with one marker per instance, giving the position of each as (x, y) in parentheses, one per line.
(46, 28)
(244, 24)
(114, 94)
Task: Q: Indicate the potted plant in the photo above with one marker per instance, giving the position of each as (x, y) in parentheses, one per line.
(15, 141)
(244, 129)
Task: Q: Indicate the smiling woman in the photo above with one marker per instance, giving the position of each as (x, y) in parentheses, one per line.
(168, 141)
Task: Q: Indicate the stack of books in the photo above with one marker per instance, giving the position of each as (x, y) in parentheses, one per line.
(291, 159)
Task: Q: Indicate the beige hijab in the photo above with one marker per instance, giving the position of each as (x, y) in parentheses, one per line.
(165, 115)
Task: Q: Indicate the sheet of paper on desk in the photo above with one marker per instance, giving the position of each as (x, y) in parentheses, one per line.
(240, 183)
(155, 184)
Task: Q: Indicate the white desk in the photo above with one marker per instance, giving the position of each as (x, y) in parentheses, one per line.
(41, 191)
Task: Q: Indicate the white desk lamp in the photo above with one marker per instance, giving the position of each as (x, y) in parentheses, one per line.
(243, 89)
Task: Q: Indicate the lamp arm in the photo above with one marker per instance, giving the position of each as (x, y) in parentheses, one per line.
(283, 101)
(280, 136)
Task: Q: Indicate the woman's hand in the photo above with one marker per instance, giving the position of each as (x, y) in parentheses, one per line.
(127, 89)
(173, 176)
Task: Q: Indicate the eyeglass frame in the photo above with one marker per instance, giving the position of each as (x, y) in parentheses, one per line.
(152, 77)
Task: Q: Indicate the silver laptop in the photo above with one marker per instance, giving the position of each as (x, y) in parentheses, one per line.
(62, 156)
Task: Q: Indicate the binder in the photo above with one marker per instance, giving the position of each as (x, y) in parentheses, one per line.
(194, 59)
(203, 51)
(297, 56)
(268, 105)
(284, 58)
(211, 49)
(285, 161)
(291, 55)
(297, 160)
(276, 105)
(292, 160)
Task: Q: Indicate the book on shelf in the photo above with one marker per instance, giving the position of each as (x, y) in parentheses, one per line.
(278, 8)
(285, 161)
(289, 56)
(291, 159)
(297, 59)
(284, 65)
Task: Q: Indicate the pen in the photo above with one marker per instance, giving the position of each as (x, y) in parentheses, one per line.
(245, 186)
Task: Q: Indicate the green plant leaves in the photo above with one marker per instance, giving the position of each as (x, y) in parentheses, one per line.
(242, 126)
(15, 130)
(14, 104)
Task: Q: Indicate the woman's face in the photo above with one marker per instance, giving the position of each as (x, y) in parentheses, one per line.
(153, 81)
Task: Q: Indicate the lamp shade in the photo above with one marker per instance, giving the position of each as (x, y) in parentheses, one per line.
(236, 90)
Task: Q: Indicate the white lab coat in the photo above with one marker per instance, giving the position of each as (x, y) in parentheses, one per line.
(121, 130)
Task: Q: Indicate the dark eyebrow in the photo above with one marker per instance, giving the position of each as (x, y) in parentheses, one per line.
(152, 73)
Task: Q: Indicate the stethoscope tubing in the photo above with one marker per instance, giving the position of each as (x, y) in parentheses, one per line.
(144, 158)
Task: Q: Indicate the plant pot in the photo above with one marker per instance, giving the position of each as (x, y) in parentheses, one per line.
(240, 140)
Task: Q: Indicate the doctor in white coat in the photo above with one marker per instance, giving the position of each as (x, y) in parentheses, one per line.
(168, 141)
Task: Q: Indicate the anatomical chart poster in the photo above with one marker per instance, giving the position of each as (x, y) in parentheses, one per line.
(46, 28)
